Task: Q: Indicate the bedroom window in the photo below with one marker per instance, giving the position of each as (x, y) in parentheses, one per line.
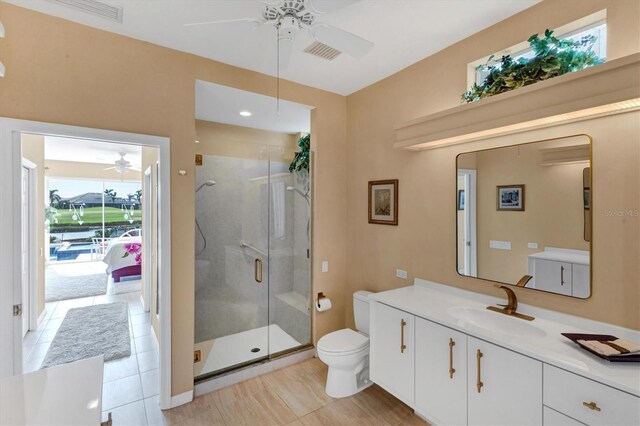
(594, 24)
(83, 214)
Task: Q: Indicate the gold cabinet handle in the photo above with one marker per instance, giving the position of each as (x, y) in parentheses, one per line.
(402, 345)
(592, 406)
(258, 270)
(451, 369)
(561, 275)
(479, 383)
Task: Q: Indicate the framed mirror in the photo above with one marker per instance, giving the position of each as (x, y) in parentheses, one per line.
(523, 215)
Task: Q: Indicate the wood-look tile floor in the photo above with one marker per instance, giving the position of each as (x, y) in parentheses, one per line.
(293, 395)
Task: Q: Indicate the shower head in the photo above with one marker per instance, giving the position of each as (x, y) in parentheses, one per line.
(293, 188)
(207, 183)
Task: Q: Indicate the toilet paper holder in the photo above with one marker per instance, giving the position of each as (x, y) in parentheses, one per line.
(320, 296)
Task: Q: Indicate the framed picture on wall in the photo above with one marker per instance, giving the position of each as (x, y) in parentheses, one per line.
(383, 202)
(460, 199)
(510, 198)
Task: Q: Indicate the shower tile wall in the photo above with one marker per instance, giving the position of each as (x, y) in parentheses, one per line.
(237, 208)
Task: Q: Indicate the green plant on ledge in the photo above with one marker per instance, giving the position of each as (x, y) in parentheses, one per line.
(553, 57)
(301, 158)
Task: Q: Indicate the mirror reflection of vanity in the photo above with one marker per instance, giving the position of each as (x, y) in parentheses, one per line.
(524, 215)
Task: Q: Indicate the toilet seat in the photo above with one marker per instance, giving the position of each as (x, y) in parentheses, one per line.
(343, 342)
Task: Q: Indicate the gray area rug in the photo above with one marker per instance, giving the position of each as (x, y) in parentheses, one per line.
(91, 331)
(63, 287)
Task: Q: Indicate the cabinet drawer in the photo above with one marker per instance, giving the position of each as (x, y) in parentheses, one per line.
(553, 418)
(568, 393)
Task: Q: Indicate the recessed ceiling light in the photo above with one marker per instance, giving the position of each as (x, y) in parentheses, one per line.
(197, 141)
(245, 113)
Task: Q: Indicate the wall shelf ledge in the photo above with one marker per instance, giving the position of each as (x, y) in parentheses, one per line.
(610, 88)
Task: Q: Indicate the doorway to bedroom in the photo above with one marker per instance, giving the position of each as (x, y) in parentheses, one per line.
(95, 288)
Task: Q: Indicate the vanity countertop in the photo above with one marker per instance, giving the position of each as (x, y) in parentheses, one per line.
(580, 257)
(67, 394)
(433, 301)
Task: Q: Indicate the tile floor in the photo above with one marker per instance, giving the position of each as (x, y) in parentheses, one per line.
(129, 384)
(293, 395)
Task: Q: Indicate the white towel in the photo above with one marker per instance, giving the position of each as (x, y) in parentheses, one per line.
(277, 196)
(604, 349)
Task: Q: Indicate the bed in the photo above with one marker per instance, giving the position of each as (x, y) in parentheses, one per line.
(124, 257)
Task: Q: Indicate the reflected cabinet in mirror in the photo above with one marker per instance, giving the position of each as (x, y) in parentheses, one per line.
(524, 215)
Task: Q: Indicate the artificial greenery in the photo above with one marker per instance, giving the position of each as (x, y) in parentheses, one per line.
(553, 57)
(301, 158)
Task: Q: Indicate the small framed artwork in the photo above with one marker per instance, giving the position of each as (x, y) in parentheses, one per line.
(460, 199)
(383, 202)
(587, 198)
(510, 198)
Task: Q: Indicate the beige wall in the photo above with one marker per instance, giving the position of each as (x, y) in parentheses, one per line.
(424, 242)
(62, 72)
(33, 150)
(237, 141)
(554, 208)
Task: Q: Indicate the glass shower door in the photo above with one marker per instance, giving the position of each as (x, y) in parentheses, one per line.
(232, 259)
(290, 254)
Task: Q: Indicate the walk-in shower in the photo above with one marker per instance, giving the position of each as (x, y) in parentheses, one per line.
(253, 271)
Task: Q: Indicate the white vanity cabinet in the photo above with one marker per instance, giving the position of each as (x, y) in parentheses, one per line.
(561, 271)
(503, 387)
(441, 373)
(392, 351)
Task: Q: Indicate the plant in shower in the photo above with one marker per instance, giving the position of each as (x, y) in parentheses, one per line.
(301, 158)
(552, 57)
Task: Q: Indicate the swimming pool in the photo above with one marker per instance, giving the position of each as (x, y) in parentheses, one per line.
(70, 251)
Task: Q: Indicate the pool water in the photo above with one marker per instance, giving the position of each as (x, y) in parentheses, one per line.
(70, 251)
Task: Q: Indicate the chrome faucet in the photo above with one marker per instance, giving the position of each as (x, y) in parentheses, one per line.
(512, 305)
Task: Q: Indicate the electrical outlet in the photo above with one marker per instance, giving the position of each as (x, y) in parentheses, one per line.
(500, 245)
(532, 245)
(401, 273)
(325, 266)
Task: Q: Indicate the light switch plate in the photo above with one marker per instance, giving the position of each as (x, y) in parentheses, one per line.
(532, 245)
(401, 273)
(325, 266)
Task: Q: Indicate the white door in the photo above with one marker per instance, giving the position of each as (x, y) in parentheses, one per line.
(467, 204)
(147, 236)
(392, 351)
(26, 238)
(580, 276)
(503, 387)
(441, 373)
(554, 276)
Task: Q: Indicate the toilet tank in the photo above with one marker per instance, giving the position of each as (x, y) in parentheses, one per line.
(361, 310)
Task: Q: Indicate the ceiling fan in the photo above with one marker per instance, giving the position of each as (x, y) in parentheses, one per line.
(122, 166)
(289, 17)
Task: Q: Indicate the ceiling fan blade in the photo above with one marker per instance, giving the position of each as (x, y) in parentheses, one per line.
(342, 40)
(285, 46)
(231, 25)
(110, 168)
(319, 7)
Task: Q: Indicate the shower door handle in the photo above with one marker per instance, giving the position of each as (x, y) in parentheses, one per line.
(257, 270)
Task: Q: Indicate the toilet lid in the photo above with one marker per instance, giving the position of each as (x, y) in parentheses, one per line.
(345, 340)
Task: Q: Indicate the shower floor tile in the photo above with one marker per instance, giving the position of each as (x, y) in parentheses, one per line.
(227, 351)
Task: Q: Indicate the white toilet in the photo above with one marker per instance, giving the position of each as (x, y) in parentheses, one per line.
(346, 352)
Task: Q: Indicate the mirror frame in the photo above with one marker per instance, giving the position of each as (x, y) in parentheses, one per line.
(590, 214)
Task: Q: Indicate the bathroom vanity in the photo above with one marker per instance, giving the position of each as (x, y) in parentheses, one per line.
(440, 351)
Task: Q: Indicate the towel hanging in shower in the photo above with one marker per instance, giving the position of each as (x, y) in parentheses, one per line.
(278, 197)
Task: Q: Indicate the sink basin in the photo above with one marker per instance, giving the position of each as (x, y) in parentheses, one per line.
(495, 322)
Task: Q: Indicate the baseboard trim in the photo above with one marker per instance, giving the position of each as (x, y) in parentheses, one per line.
(250, 372)
(181, 399)
(41, 317)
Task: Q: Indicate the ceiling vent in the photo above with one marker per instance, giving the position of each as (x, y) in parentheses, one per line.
(93, 7)
(322, 51)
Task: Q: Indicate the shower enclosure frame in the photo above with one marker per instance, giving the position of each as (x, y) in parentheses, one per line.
(305, 346)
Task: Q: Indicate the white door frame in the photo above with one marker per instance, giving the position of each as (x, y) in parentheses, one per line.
(10, 229)
(470, 250)
(34, 258)
(147, 190)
